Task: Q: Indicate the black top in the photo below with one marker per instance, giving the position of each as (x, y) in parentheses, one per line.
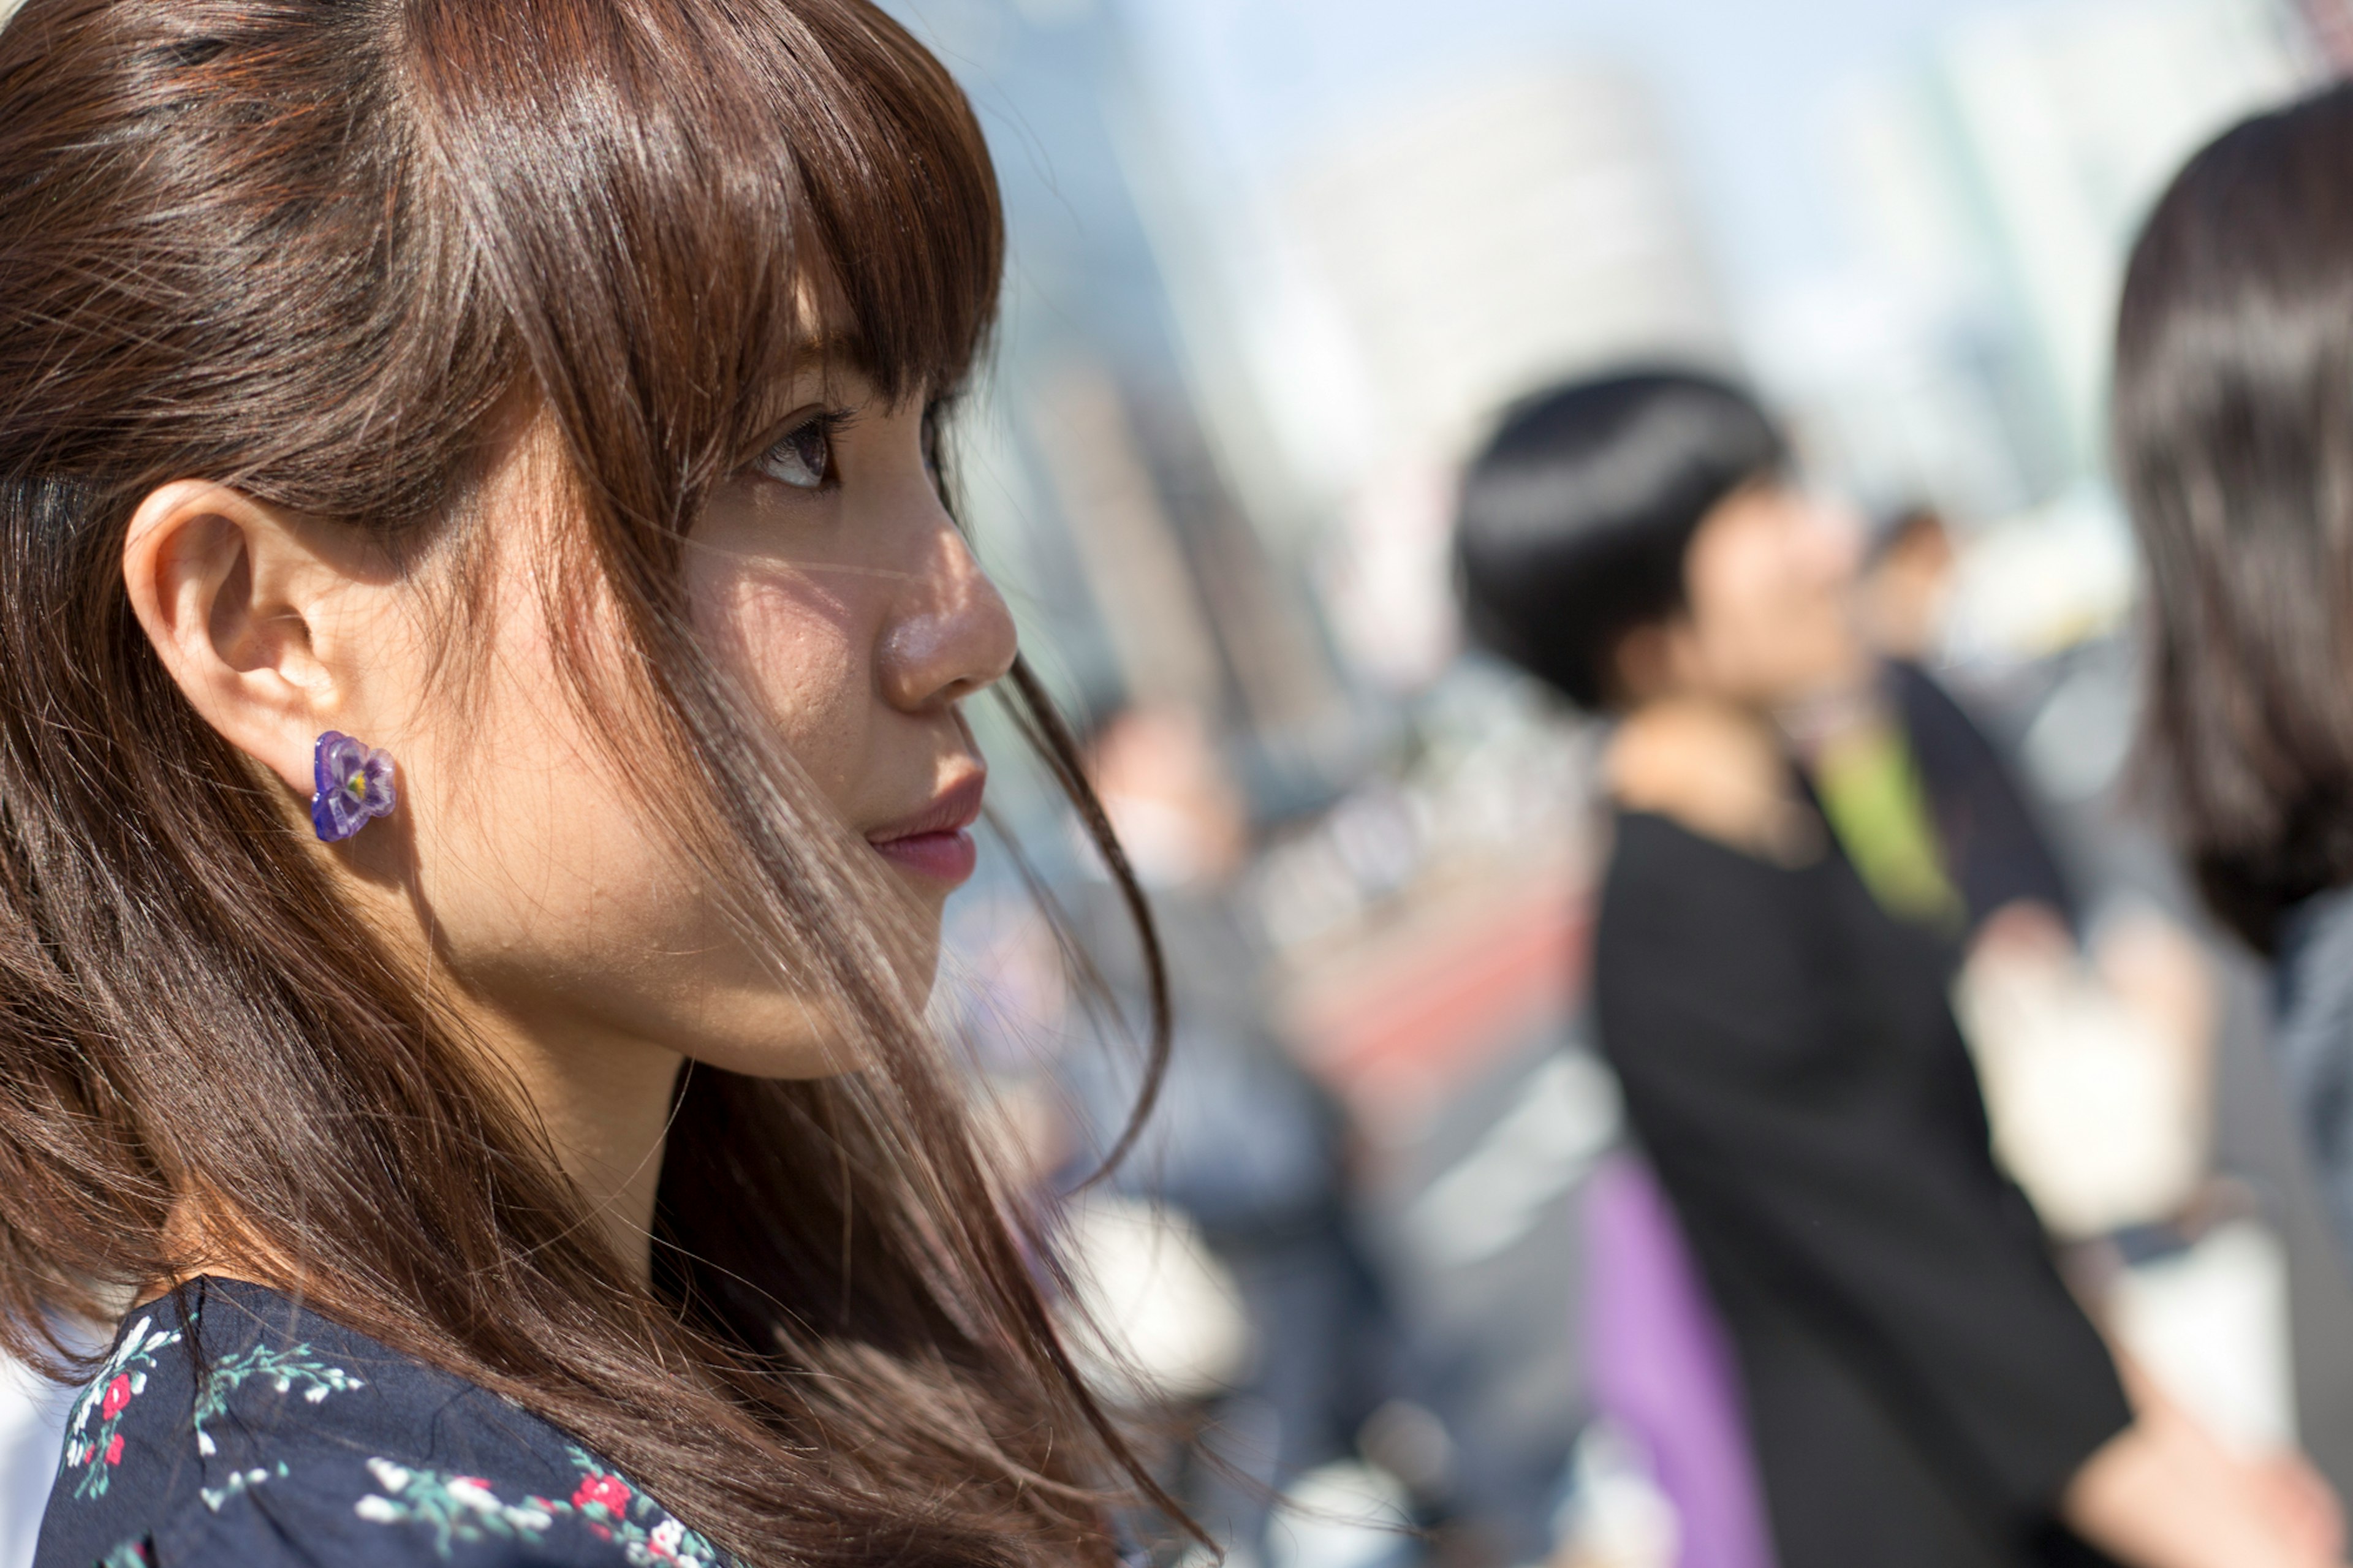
(290, 1440)
(1920, 1383)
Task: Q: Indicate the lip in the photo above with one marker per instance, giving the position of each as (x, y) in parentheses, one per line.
(936, 842)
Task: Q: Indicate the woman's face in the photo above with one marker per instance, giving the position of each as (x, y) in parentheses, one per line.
(830, 581)
(1768, 585)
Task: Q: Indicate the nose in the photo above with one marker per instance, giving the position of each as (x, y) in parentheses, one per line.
(951, 634)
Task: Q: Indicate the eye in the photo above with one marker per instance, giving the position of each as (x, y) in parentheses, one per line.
(803, 456)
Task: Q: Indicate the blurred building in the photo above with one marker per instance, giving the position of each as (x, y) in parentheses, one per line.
(1993, 187)
(1095, 492)
(1500, 236)
(1473, 246)
(2070, 120)
(1906, 376)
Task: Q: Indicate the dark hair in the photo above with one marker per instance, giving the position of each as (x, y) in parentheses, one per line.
(329, 253)
(2232, 429)
(1575, 519)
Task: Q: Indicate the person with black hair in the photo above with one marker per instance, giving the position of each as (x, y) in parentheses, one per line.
(2232, 429)
(1921, 1387)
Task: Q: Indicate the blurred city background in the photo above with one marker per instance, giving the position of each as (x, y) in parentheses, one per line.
(1276, 267)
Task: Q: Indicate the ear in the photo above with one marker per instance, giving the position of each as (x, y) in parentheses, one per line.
(232, 591)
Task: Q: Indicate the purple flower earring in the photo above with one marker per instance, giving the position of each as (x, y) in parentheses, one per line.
(353, 783)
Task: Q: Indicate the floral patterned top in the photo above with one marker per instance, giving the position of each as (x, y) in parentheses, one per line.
(289, 1440)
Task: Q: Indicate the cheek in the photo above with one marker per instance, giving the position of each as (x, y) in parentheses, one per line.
(554, 896)
(792, 635)
(531, 853)
(1739, 599)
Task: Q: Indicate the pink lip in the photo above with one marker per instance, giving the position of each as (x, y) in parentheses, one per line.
(935, 842)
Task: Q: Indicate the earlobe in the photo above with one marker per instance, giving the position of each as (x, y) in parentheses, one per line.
(226, 586)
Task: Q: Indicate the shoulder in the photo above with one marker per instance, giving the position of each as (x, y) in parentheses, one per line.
(1668, 882)
(249, 1433)
(1685, 922)
(1708, 960)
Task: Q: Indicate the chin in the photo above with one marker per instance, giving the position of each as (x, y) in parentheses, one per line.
(916, 942)
(808, 1056)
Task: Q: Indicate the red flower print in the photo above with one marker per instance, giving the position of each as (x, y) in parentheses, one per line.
(118, 1394)
(114, 1449)
(608, 1492)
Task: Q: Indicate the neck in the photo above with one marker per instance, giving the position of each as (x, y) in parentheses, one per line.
(606, 1106)
(606, 1112)
(1717, 767)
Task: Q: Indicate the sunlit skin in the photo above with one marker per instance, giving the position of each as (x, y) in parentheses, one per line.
(518, 873)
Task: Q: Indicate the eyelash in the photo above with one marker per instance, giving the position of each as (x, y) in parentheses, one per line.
(825, 425)
(828, 424)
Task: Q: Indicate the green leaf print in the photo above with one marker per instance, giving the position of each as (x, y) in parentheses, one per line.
(286, 1368)
(454, 1508)
(462, 1509)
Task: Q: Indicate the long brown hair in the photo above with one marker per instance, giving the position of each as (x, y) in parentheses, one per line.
(2233, 442)
(321, 251)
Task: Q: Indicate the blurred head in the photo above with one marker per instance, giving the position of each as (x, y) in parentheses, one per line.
(1906, 580)
(1638, 537)
(1165, 789)
(547, 392)
(2233, 446)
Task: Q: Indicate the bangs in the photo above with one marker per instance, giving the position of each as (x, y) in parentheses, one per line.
(660, 193)
(904, 204)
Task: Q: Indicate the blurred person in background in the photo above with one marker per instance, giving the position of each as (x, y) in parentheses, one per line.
(1921, 1386)
(2234, 446)
(1243, 1143)
(2093, 1019)
(1922, 800)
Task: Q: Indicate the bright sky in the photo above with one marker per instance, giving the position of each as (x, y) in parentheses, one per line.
(1742, 84)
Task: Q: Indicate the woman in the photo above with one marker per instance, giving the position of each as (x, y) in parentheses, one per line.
(2233, 434)
(1920, 1386)
(481, 667)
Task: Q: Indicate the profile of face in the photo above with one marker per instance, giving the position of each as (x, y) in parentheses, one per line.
(1768, 615)
(825, 577)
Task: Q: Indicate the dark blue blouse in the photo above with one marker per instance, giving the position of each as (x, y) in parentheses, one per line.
(290, 1440)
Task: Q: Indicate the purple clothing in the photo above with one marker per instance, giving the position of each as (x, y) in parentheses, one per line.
(1663, 1371)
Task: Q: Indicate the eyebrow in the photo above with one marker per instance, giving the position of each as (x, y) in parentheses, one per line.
(831, 350)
